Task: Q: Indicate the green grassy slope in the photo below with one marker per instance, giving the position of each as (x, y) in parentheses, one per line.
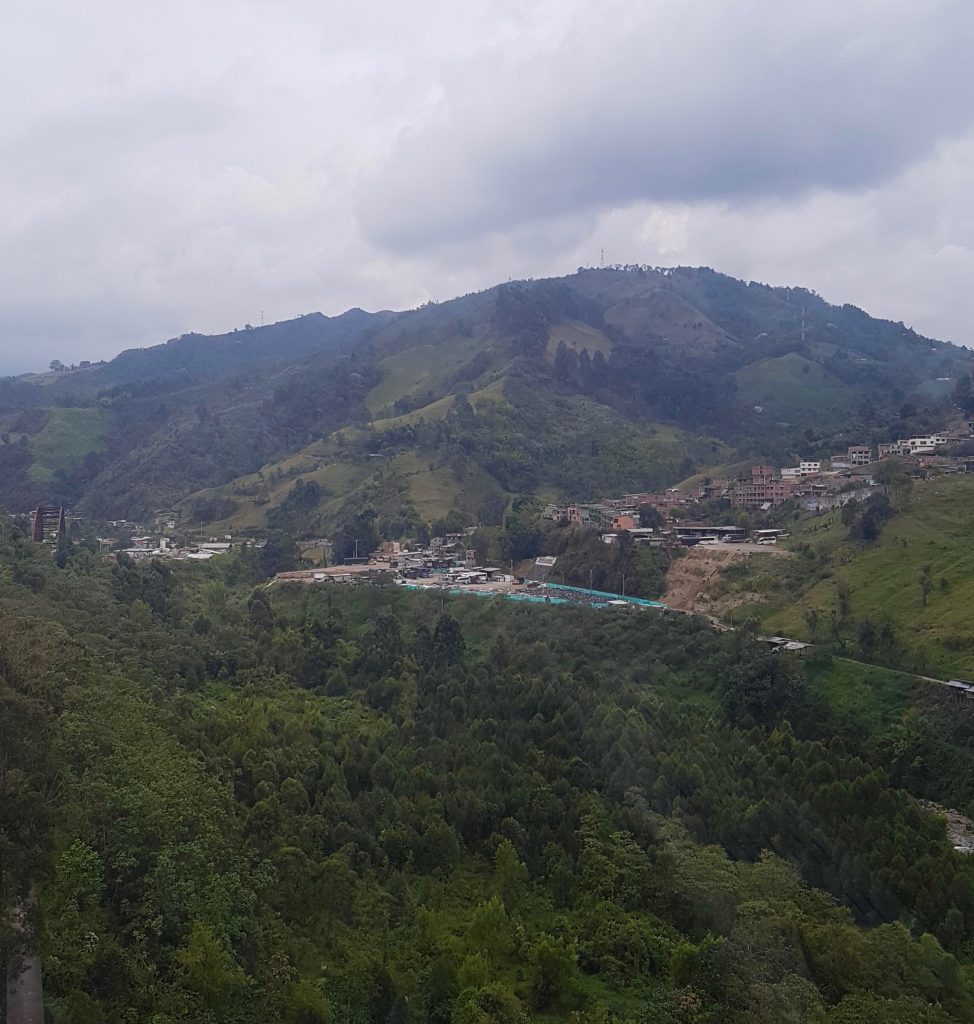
(872, 699)
(424, 367)
(68, 436)
(790, 382)
(883, 578)
(522, 437)
(578, 337)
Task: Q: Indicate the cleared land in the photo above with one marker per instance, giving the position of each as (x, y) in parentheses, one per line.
(68, 436)
(578, 337)
(690, 579)
(417, 368)
(790, 382)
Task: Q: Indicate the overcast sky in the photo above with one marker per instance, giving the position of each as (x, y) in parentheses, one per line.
(177, 166)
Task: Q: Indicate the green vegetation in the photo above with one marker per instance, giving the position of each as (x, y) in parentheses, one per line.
(873, 699)
(318, 804)
(791, 385)
(600, 381)
(905, 596)
(578, 337)
(68, 437)
(421, 370)
(309, 804)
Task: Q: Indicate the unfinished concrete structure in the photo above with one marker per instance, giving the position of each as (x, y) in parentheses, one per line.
(47, 524)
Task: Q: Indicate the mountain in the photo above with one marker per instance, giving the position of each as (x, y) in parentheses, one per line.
(194, 358)
(601, 381)
(227, 800)
(140, 423)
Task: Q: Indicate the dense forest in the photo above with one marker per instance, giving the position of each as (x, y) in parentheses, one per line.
(222, 802)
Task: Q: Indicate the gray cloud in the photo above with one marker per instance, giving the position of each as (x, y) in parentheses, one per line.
(185, 166)
(679, 102)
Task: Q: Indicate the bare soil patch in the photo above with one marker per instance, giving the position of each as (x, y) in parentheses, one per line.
(690, 580)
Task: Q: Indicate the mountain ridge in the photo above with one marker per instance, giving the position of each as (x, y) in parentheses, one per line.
(746, 367)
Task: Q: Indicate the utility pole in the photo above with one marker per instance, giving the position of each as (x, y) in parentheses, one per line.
(590, 571)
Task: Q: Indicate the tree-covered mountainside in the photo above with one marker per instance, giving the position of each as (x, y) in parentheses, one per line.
(319, 804)
(603, 380)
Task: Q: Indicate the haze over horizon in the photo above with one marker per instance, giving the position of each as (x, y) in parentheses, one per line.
(179, 169)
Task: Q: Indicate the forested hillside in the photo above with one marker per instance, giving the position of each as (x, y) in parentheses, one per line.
(317, 804)
(603, 380)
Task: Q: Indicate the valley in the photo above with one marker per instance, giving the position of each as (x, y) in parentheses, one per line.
(430, 667)
(429, 592)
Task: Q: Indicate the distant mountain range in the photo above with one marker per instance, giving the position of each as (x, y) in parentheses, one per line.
(602, 381)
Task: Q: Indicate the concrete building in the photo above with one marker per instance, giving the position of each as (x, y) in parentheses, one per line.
(763, 488)
(859, 455)
(924, 444)
(47, 524)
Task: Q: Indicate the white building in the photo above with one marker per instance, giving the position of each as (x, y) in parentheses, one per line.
(922, 445)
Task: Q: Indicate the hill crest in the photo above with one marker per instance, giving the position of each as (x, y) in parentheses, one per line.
(687, 353)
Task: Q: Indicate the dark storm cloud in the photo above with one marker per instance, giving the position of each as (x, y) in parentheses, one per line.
(679, 102)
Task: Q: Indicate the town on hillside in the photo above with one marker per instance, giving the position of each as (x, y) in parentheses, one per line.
(737, 510)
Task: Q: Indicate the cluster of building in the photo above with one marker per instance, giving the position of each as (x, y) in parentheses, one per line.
(813, 484)
(825, 483)
(163, 536)
(146, 548)
(450, 559)
(925, 444)
(817, 486)
(623, 513)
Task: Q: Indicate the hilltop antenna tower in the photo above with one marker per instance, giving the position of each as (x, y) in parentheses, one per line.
(803, 324)
(261, 318)
(602, 258)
